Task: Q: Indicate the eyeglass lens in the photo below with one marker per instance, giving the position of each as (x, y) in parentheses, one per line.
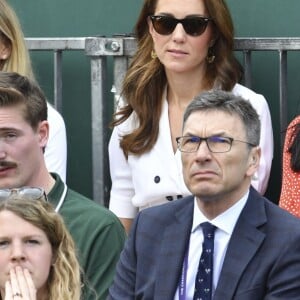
(214, 143)
(165, 25)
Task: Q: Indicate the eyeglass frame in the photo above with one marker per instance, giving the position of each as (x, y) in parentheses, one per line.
(230, 140)
(206, 20)
(17, 191)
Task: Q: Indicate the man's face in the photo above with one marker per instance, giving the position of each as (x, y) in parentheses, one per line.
(20, 148)
(218, 176)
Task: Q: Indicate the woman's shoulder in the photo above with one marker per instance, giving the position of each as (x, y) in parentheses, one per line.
(258, 101)
(245, 92)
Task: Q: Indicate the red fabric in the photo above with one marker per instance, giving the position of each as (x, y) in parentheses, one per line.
(290, 189)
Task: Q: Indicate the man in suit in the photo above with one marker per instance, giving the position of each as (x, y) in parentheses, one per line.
(256, 252)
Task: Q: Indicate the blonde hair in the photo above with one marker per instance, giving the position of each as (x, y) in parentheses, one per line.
(64, 278)
(11, 34)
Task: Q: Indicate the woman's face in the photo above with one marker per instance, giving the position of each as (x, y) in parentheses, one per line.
(25, 245)
(179, 51)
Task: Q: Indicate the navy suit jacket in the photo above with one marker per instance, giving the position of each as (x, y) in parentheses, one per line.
(262, 259)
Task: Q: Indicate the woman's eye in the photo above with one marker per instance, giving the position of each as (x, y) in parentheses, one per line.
(33, 242)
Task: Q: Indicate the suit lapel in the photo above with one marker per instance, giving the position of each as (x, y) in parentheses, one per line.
(173, 247)
(243, 245)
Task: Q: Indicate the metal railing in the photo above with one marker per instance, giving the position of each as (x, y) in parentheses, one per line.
(122, 48)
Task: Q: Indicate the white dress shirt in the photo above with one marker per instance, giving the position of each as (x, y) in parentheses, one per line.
(225, 224)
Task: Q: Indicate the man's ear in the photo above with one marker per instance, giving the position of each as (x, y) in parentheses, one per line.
(43, 133)
(253, 161)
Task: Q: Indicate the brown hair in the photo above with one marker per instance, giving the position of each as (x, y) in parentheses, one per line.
(145, 79)
(16, 89)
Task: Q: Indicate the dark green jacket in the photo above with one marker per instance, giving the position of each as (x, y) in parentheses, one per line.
(98, 235)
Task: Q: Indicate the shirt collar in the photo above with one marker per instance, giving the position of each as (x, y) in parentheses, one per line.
(225, 221)
(56, 191)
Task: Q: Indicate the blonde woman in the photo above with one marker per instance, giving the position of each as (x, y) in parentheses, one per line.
(37, 254)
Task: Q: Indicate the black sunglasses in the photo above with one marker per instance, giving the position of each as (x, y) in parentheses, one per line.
(194, 26)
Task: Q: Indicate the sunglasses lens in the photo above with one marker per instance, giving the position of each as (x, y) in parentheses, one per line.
(164, 25)
(193, 25)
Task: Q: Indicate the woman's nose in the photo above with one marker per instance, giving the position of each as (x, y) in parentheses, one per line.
(17, 252)
(179, 33)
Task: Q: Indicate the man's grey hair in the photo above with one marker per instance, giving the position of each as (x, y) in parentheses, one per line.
(218, 100)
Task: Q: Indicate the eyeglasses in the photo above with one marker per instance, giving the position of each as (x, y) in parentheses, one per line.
(194, 26)
(215, 144)
(34, 193)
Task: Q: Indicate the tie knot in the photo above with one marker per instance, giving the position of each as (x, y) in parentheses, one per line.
(208, 229)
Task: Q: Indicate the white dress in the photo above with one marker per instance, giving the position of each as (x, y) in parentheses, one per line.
(156, 177)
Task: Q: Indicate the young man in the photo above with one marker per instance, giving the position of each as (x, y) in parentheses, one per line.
(252, 250)
(24, 131)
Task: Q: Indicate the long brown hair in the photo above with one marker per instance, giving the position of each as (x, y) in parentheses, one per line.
(145, 79)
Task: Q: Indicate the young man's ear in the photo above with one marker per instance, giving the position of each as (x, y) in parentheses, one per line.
(43, 133)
